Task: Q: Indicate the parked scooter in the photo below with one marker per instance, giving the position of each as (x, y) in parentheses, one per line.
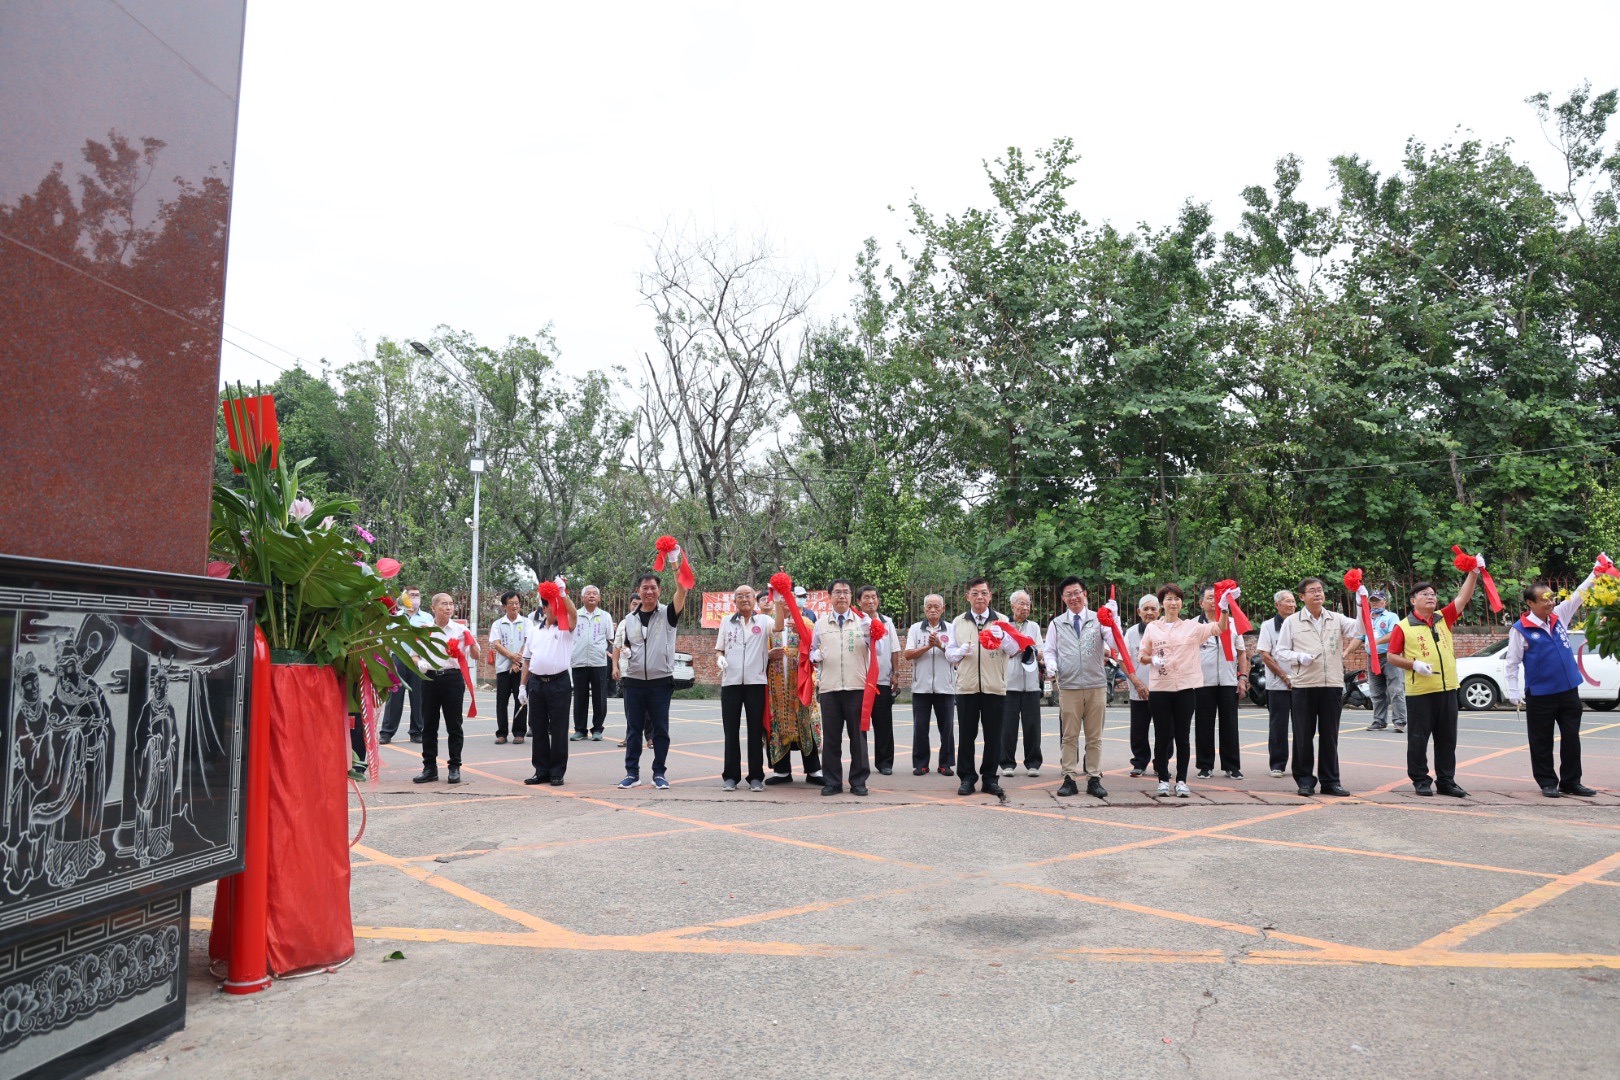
(1257, 682)
(1355, 687)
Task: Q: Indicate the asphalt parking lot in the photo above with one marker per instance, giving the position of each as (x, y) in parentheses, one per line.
(592, 931)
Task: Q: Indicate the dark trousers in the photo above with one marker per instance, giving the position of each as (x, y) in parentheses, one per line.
(940, 707)
(1431, 715)
(442, 695)
(1023, 712)
(1217, 703)
(548, 724)
(590, 693)
(1543, 713)
(840, 713)
(395, 705)
(506, 687)
(357, 737)
(973, 710)
(1172, 712)
(1279, 704)
(646, 711)
(811, 761)
(733, 701)
(1315, 712)
(1141, 721)
(883, 729)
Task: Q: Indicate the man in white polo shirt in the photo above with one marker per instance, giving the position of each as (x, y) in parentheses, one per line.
(547, 660)
(591, 637)
(933, 688)
(507, 636)
(741, 650)
(867, 599)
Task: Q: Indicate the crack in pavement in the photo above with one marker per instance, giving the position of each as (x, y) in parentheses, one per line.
(1230, 963)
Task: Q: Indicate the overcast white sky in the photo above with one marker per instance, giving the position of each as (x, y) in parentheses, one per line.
(499, 166)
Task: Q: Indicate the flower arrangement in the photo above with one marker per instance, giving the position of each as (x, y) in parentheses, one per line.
(1603, 616)
(324, 600)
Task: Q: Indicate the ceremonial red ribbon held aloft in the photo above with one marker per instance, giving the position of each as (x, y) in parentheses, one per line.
(1105, 617)
(1024, 640)
(987, 640)
(1604, 565)
(669, 550)
(453, 647)
(552, 595)
(1238, 621)
(1352, 581)
(869, 694)
(1469, 563)
(782, 585)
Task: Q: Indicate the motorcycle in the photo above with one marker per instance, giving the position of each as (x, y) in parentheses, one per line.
(1119, 688)
(1257, 682)
(1355, 687)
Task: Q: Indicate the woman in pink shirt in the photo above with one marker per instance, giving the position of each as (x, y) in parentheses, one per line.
(1171, 645)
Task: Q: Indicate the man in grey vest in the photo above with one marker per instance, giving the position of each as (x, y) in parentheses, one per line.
(933, 686)
(590, 664)
(1075, 653)
(1311, 646)
(647, 669)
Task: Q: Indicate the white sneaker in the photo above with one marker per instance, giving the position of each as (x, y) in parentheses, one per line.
(1164, 787)
(1036, 771)
(1276, 772)
(1182, 790)
(1008, 770)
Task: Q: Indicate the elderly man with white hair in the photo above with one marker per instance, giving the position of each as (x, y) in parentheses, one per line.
(1023, 698)
(932, 688)
(592, 638)
(1279, 684)
(742, 650)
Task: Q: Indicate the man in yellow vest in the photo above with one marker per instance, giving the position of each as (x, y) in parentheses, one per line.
(1421, 644)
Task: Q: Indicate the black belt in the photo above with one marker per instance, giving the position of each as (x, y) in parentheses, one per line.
(537, 677)
(447, 673)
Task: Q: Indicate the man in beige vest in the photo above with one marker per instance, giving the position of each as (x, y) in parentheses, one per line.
(981, 686)
(842, 652)
(1310, 644)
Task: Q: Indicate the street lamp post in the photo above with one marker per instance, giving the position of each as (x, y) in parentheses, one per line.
(475, 465)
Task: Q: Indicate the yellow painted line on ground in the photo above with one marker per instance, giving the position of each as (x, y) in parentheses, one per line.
(462, 892)
(373, 808)
(1511, 910)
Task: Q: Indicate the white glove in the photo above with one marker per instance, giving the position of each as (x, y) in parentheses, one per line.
(1113, 605)
(1480, 559)
(815, 656)
(1421, 668)
(1160, 663)
(1518, 700)
(1228, 596)
(996, 632)
(561, 583)
(720, 661)
(523, 694)
(1307, 659)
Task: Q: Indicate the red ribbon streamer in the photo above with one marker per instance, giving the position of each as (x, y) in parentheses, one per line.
(553, 597)
(1468, 563)
(667, 546)
(869, 694)
(1352, 581)
(783, 585)
(1024, 640)
(368, 712)
(1237, 621)
(453, 647)
(1604, 565)
(1105, 616)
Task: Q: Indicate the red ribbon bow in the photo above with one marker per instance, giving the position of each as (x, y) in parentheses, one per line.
(987, 640)
(1605, 565)
(668, 547)
(869, 694)
(1468, 564)
(782, 585)
(453, 647)
(1352, 581)
(552, 596)
(1238, 621)
(1105, 617)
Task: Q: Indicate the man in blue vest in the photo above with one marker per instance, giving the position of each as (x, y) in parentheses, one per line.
(1538, 641)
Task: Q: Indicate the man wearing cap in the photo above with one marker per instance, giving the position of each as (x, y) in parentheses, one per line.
(1387, 688)
(933, 688)
(592, 634)
(981, 687)
(1538, 642)
(741, 652)
(1421, 645)
(1279, 687)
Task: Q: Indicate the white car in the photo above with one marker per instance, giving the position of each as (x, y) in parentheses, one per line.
(1482, 678)
(684, 676)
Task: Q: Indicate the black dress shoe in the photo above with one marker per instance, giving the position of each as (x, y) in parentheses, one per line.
(1452, 788)
(1335, 789)
(1423, 789)
(537, 779)
(779, 778)
(831, 789)
(1068, 787)
(455, 775)
(966, 788)
(556, 781)
(385, 742)
(853, 790)
(1552, 792)
(416, 738)
(886, 772)
(991, 788)
(1095, 789)
(1577, 789)
(920, 772)
(426, 776)
(1305, 791)
(946, 770)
